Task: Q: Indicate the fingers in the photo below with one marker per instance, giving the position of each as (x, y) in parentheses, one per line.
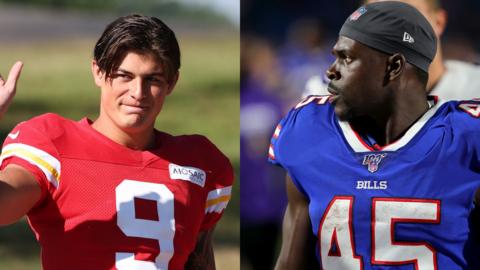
(2, 82)
(14, 74)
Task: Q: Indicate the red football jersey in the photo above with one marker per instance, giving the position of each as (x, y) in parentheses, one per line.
(106, 206)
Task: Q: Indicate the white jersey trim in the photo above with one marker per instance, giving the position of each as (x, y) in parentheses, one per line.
(47, 163)
(351, 137)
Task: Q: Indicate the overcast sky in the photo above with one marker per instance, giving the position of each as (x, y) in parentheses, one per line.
(230, 8)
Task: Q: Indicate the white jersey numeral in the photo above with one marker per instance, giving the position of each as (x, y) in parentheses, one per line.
(387, 212)
(472, 108)
(337, 247)
(320, 100)
(162, 230)
(336, 237)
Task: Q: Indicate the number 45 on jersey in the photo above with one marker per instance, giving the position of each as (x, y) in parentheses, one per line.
(337, 247)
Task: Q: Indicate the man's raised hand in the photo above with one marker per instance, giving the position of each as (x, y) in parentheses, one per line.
(8, 87)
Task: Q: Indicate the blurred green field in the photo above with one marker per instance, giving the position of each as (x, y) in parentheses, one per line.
(56, 78)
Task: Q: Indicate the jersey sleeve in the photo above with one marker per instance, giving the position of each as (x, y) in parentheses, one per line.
(219, 187)
(304, 124)
(278, 152)
(469, 124)
(27, 145)
(274, 147)
(282, 139)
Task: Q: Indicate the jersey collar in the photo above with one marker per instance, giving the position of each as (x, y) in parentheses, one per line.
(357, 143)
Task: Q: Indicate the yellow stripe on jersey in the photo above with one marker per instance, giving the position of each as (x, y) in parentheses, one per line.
(48, 164)
(218, 199)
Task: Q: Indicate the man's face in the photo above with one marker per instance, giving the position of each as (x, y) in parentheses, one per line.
(134, 95)
(357, 79)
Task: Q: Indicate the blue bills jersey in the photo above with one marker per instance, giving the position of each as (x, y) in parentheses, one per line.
(407, 205)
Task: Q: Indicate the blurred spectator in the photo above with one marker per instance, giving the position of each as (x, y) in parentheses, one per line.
(263, 198)
(306, 54)
(272, 18)
(450, 79)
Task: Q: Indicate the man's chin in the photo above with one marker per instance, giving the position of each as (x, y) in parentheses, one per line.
(342, 113)
(133, 122)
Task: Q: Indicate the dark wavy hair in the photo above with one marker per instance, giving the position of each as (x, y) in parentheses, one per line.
(140, 34)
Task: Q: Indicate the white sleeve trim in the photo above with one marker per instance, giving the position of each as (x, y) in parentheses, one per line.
(47, 163)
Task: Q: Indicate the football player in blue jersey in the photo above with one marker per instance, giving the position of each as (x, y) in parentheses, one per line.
(386, 176)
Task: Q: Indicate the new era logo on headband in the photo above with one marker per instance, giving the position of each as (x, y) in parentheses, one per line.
(408, 38)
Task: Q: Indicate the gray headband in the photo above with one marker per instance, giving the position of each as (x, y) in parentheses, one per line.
(393, 27)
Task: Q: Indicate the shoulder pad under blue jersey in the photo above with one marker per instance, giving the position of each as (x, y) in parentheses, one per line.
(308, 117)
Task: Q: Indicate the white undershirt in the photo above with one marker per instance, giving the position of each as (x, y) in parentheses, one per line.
(461, 81)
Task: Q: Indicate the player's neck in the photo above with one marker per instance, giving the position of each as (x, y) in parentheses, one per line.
(391, 126)
(136, 140)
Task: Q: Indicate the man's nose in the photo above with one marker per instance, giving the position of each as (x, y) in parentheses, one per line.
(332, 73)
(137, 88)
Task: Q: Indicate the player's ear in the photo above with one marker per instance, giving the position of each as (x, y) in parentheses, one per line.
(440, 21)
(173, 82)
(395, 66)
(98, 74)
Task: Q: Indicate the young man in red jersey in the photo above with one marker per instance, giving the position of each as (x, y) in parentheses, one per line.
(115, 193)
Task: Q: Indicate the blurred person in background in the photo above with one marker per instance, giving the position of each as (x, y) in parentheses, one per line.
(301, 38)
(263, 200)
(115, 193)
(304, 55)
(265, 95)
(448, 79)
